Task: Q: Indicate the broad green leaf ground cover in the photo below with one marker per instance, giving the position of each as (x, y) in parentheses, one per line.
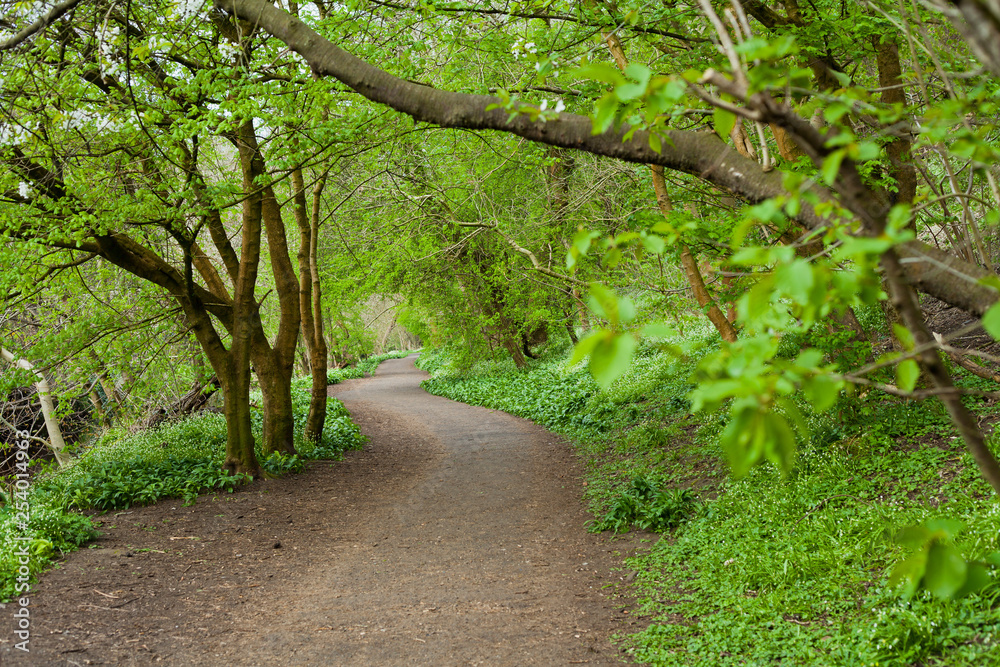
(766, 569)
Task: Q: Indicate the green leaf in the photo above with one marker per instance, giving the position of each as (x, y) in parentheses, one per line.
(604, 113)
(692, 75)
(991, 321)
(843, 79)
(603, 72)
(831, 165)
(611, 358)
(779, 442)
(655, 143)
(795, 416)
(946, 570)
(653, 244)
(977, 577)
(910, 572)
(822, 392)
(945, 527)
(737, 439)
(907, 374)
(582, 240)
(626, 310)
(629, 91)
(899, 216)
(912, 537)
(904, 336)
(604, 303)
(990, 281)
(809, 358)
(759, 298)
(586, 345)
(795, 279)
(724, 121)
(612, 258)
(658, 330)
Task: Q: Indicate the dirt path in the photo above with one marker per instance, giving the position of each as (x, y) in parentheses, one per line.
(455, 538)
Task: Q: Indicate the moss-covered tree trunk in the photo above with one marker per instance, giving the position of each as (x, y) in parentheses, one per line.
(310, 301)
(274, 362)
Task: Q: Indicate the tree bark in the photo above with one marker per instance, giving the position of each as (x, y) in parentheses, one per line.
(898, 149)
(56, 442)
(309, 302)
(274, 363)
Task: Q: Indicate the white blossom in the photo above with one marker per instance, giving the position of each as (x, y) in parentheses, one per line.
(187, 8)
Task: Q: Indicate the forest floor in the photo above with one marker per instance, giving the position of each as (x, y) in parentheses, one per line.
(456, 537)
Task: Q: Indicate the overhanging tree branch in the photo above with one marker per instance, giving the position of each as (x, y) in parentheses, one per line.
(702, 155)
(40, 24)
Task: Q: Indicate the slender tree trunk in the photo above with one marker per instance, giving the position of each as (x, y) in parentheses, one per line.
(513, 347)
(56, 442)
(319, 350)
(113, 399)
(309, 302)
(95, 400)
(690, 266)
(898, 149)
(571, 328)
(688, 261)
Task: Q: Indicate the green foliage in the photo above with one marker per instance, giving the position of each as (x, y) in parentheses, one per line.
(51, 532)
(644, 505)
(937, 565)
(118, 484)
(123, 469)
(278, 464)
(547, 393)
(369, 364)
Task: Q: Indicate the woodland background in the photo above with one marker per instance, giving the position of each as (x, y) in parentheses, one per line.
(775, 221)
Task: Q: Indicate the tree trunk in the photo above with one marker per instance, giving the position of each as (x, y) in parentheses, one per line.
(310, 301)
(279, 421)
(571, 328)
(102, 416)
(513, 347)
(898, 149)
(241, 456)
(688, 262)
(274, 363)
(56, 442)
(690, 266)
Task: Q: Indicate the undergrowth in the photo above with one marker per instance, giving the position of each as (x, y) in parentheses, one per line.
(766, 569)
